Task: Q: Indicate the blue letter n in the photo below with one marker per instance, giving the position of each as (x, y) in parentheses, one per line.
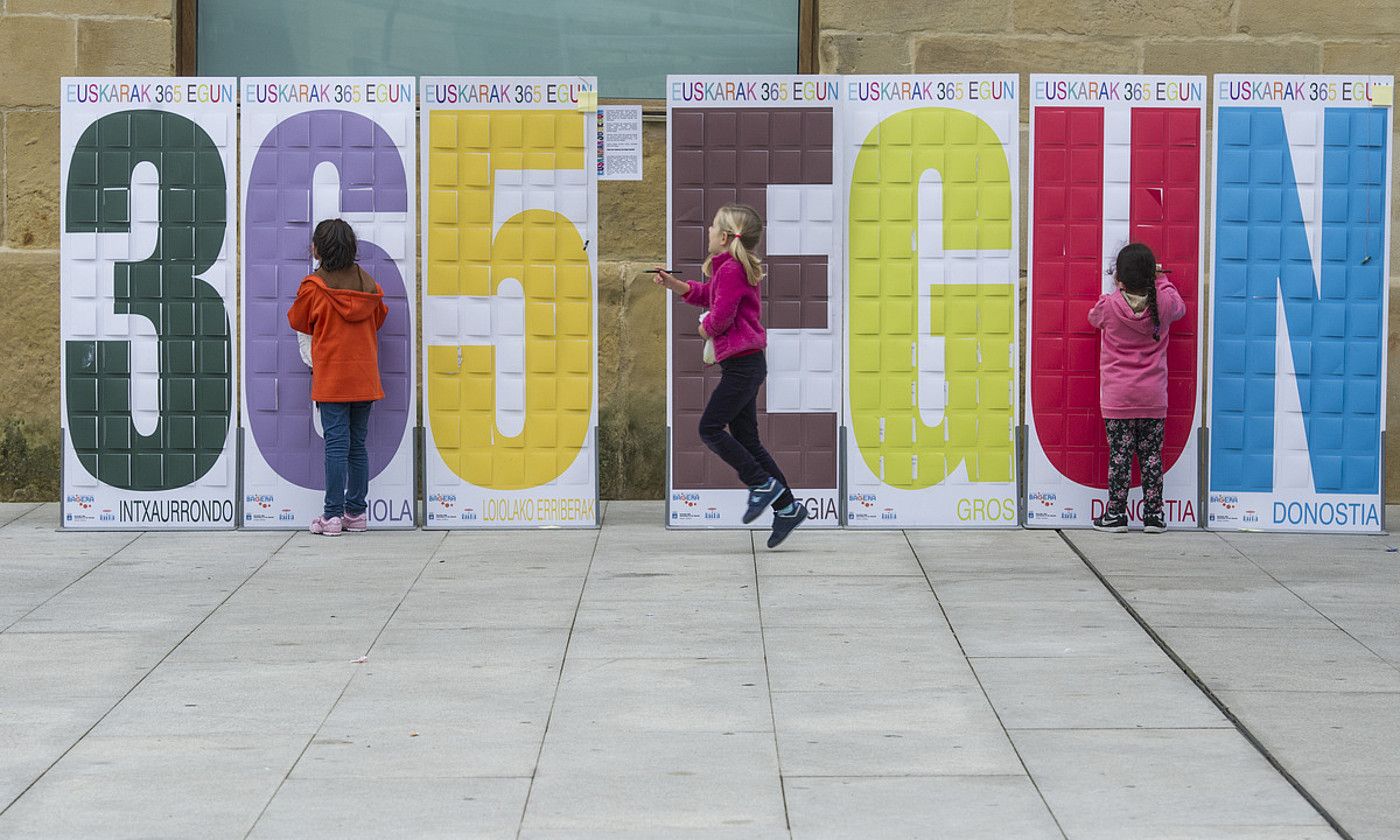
(1269, 226)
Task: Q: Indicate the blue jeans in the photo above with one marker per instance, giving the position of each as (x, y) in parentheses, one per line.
(347, 461)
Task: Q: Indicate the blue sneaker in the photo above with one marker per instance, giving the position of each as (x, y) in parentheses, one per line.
(783, 523)
(761, 497)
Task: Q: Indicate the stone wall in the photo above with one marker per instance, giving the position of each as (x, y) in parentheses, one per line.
(632, 327)
(45, 39)
(41, 41)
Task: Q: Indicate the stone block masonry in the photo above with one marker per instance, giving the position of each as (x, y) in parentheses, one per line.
(43, 40)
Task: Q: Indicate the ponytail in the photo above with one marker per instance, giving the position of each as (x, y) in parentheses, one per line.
(741, 253)
(742, 227)
(1152, 310)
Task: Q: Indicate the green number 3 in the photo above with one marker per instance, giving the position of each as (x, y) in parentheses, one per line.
(189, 315)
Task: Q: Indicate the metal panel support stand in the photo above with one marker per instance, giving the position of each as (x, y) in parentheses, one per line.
(841, 500)
(597, 481)
(238, 511)
(1384, 529)
(1022, 475)
(1202, 476)
(420, 478)
(62, 475)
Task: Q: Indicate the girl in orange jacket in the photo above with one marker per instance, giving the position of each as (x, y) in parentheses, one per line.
(342, 309)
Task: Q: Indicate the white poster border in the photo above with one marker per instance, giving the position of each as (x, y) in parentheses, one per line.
(870, 503)
(690, 508)
(1302, 513)
(86, 503)
(449, 501)
(1051, 499)
(269, 500)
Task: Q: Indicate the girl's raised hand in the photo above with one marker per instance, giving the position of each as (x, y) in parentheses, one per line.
(670, 281)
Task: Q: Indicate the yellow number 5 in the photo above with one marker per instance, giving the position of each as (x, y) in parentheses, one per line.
(526, 167)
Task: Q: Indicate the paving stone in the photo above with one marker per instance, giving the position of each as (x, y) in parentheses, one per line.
(639, 682)
(909, 808)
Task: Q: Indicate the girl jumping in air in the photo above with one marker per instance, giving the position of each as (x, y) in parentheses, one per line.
(1135, 319)
(342, 309)
(733, 323)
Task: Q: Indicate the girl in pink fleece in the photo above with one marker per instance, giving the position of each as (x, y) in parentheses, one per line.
(729, 425)
(1135, 319)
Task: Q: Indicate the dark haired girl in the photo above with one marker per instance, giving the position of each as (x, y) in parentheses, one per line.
(1135, 319)
(342, 309)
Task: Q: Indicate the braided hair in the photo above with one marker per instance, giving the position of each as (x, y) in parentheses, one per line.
(1136, 271)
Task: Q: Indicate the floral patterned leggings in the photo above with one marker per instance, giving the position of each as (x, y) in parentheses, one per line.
(1141, 435)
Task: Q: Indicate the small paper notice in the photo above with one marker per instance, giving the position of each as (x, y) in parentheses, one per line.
(619, 142)
(1383, 95)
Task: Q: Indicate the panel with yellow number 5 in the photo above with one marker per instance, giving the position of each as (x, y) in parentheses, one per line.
(509, 302)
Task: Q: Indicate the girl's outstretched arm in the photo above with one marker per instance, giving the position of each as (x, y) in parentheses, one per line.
(299, 316)
(699, 294)
(383, 311)
(1096, 315)
(1169, 304)
(695, 294)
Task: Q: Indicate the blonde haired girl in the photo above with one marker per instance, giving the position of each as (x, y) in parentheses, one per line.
(733, 274)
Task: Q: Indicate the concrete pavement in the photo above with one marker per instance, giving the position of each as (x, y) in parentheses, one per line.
(1298, 636)
(635, 682)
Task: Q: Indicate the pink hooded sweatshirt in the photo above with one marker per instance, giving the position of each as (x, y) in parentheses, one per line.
(1132, 364)
(736, 309)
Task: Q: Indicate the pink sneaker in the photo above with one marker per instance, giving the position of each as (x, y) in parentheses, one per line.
(356, 522)
(326, 527)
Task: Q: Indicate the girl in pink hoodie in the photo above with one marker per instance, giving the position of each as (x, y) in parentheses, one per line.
(729, 425)
(1135, 319)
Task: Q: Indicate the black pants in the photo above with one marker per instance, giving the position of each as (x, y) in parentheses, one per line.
(734, 403)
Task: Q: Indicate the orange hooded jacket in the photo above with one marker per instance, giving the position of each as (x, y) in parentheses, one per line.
(343, 325)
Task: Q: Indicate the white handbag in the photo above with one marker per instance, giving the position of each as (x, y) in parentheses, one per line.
(708, 354)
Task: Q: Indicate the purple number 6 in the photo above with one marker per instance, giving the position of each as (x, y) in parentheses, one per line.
(278, 227)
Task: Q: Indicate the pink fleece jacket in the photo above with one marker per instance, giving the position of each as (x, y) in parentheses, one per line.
(736, 309)
(1132, 364)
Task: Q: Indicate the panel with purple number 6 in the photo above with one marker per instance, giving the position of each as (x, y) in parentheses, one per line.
(304, 161)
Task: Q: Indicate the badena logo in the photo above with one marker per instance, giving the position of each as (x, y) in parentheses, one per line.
(1225, 500)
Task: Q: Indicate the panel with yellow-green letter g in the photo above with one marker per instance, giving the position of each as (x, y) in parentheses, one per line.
(932, 324)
